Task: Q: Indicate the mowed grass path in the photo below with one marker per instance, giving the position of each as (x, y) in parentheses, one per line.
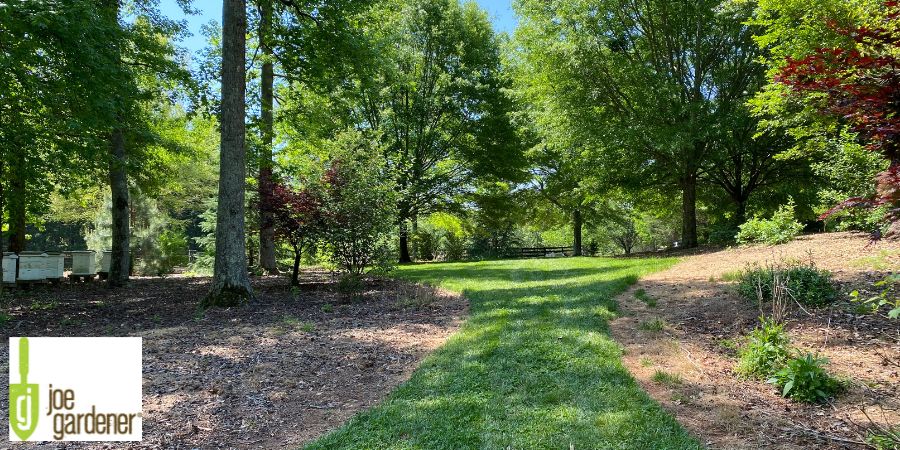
(532, 368)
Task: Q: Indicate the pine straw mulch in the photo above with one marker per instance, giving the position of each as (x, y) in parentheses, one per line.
(704, 319)
(276, 374)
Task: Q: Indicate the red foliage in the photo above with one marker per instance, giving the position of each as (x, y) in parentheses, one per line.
(862, 86)
(297, 214)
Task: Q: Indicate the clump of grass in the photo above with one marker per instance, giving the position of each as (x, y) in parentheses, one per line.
(643, 296)
(646, 362)
(416, 296)
(655, 325)
(4, 318)
(731, 276)
(38, 305)
(667, 379)
(291, 323)
(327, 308)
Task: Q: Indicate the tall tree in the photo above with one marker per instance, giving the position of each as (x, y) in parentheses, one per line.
(231, 284)
(436, 95)
(267, 100)
(640, 81)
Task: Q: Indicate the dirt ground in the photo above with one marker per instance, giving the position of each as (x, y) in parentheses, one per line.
(276, 374)
(704, 319)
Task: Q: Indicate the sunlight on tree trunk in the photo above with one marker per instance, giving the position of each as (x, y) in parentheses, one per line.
(231, 284)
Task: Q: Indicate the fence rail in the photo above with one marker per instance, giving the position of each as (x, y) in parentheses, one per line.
(540, 252)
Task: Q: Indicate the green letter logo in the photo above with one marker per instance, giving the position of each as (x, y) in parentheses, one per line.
(23, 398)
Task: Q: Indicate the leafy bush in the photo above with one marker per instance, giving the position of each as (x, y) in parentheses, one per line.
(766, 350)
(805, 283)
(359, 204)
(779, 229)
(805, 380)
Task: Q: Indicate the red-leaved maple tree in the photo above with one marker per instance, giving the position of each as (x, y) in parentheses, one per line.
(861, 85)
(298, 219)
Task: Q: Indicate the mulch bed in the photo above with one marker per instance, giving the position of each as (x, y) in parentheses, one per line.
(276, 374)
(705, 318)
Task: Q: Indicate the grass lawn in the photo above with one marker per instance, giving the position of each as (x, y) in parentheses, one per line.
(532, 368)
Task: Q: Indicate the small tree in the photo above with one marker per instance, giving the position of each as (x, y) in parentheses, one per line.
(359, 206)
(297, 216)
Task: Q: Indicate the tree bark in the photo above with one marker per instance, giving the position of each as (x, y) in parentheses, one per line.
(576, 230)
(404, 242)
(266, 223)
(741, 214)
(295, 274)
(121, 230)
(689, 211)
(231, 284)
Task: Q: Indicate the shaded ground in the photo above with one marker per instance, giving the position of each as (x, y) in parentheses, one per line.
(704, 319)
(276, 374)
(533, 368)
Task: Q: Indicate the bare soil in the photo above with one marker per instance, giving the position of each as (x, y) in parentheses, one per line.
(704, 319)
(275, 374)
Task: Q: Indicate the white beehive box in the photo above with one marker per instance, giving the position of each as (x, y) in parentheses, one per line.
(32, 266)
(10, 260)
(105, 261)
(55, 266)
(83, 262)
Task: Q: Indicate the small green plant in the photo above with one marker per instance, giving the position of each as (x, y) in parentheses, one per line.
(767, 349)
(781, 228)
(327, 308)
(804, 379)
(884, 438)
(803, 281)
(665, 378)
(886, 297)
(307, 327)
(643, 296)
(4, 318)
(655, 325)
(646, 362)
(349, 284)
(44, 306)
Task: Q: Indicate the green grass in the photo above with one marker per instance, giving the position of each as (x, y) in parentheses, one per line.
(643, 296)
(532, 368)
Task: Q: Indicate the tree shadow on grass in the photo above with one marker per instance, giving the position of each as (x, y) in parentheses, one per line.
(533, 368)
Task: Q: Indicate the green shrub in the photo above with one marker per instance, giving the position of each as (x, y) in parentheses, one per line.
(805, 380)
(766, 351)
(779, 229)
(805, 283)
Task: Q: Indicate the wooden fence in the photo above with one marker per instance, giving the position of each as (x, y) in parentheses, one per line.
(540, 252)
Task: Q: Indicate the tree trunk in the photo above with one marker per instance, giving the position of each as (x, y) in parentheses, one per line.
(295, 274)
(231, 285)
(576, 230)
(121, 230)
(689, 211)
(741, 214)
(266, 223)
(404, 244)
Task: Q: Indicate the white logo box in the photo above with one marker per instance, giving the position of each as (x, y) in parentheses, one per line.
(102, 374)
